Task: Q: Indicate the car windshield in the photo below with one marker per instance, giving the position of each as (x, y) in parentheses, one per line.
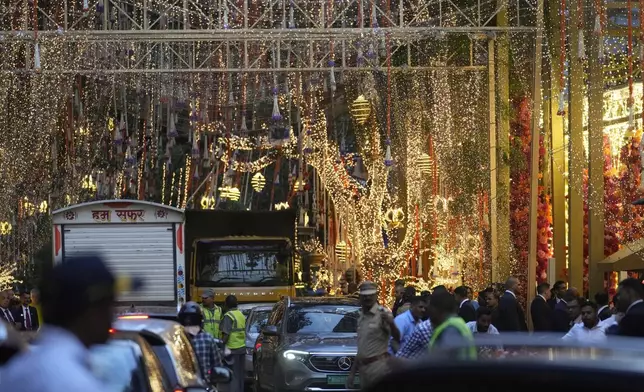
(316, 318)
(258, 320)
(117, 365)
(253, 263)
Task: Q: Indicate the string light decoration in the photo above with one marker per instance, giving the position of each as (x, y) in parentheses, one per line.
(5, 228)
(394, 218)
(229, 193)
(282, 206)
(66, 146)
(360, 110)
(258, 182)
(425, 163)
(208, 202)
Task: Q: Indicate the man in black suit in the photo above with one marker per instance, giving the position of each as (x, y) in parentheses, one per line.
(602, 302)
(558, 292)
(511, 314)
(540, 309)
(631, 295)
(26, 316)
(5, 310)
(466, 310)
(566, 310)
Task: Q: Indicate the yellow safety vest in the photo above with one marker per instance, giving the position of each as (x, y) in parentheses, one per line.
(468, 352)
(237, 338)
(211, 320)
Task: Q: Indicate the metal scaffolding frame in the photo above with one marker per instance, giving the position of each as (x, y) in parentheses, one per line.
(251, 36)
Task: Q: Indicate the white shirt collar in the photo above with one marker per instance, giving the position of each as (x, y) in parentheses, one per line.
(508, 291)
(544, 298)
(462, 302)
(633, 304)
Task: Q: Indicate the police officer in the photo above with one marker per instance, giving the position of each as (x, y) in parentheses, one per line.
(375, 328)
(211, 313)
(204, 344)
(451, 330)
(233, 331)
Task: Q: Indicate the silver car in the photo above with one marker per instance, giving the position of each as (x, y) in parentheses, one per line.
(255, 321)
(308, 344)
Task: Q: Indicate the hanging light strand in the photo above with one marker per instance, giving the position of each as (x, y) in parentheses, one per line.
(562, 57)
(630, 63)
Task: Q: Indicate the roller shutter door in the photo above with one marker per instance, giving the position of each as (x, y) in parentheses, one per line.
(143, 250)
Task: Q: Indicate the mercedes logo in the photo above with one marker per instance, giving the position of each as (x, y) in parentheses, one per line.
(344, 363)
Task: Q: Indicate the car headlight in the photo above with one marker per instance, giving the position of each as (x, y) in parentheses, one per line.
(295, 355)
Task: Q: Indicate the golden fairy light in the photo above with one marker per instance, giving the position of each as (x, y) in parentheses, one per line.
(208, 202)
(341, 251)
(5, 228)
(258, 181)
(360, 110)
(424, 163)
(282, 206)
(88, 183)
(28, 207)
(43, 207)
(394, 218)
(229, 193)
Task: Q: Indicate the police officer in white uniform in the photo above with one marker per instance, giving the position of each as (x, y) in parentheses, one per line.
(77, 303)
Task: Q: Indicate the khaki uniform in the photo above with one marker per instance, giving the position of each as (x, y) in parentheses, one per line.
(373, 345)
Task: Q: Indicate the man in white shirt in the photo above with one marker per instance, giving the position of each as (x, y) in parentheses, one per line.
(483, 323)
(590, 330)
(77, 304)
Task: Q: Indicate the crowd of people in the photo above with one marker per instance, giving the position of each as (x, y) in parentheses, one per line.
(444, 319)
(21, 311)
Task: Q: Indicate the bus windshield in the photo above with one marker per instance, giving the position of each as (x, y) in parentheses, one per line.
(244, 263)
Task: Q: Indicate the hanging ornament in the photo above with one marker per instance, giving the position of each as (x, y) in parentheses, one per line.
(394, 218)
(291, 16)
(37, 57)
(258, 182)
(5, 228)
(226, 25)
(244, 127)
(360, 110)
(598, 25)
(208, 202)
(277, 116)
(229, 193)
(562, 108)
(425, 163)
(332, 84)
(85, 7)
(581, 49)
(360, 56)
(341, 251)
(195, 148)
(388, 160)
(282, 206)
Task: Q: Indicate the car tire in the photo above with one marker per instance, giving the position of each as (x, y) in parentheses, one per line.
(256, 386)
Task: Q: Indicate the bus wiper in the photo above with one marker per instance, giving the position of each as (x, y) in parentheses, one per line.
(227, 278)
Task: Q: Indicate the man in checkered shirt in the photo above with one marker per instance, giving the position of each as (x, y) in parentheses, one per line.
(418, 343)
(204, 344)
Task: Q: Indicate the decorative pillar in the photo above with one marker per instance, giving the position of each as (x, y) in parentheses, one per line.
(557, 143)
(501, 267)
(596, 162)
(534, 153)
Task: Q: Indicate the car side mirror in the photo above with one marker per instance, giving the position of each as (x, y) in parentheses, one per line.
(270, 330)
(220, 375)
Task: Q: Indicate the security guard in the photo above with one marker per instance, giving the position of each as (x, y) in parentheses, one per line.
(233, 331)
(375, 328)
(452, 330)
(211, 313)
